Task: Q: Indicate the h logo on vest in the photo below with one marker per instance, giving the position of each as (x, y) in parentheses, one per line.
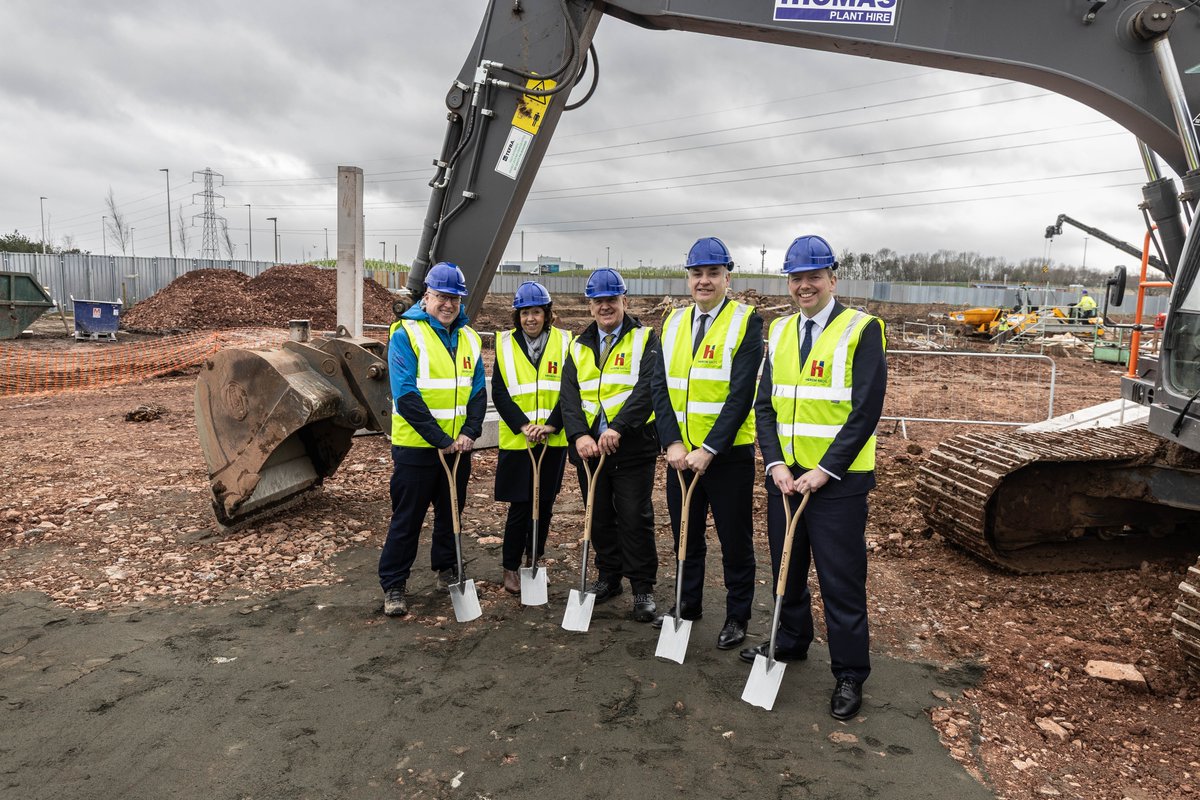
(552, 368)
(817, 369)
(619, 360)
(709, 353)
(466, 362)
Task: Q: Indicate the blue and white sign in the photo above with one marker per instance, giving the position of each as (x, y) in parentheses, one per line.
(852, 12)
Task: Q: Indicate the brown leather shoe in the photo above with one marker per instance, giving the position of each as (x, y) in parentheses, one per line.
(512, 581)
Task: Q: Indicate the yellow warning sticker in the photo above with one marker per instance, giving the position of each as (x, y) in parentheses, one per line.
(532, 109)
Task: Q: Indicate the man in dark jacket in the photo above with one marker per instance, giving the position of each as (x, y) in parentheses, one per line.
(608, 408)
(711, 354)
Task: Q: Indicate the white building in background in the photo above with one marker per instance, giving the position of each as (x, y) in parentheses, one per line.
(544, 265)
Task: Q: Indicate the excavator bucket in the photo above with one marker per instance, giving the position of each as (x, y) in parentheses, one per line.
(273, 424)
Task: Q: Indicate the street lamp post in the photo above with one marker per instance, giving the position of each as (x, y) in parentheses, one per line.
(170, 234)
(327, 244)
(42, 206)
(104, 235)
(250, 230)
(383, 258)
(1084, 265)
(132, 246)
(275, 228)
(763, 266)
(607, 260)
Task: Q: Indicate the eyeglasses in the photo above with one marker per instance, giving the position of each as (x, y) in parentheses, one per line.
(442, 299)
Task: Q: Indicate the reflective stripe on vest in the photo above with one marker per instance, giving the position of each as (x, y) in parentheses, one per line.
(812, 401)
(443, 381)
(611, 385)
(699, 384)
(534, 389)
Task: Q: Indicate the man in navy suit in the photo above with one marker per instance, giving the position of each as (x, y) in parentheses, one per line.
(819, 400)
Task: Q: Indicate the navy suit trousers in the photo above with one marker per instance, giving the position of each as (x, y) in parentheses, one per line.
(727, 487)
(831, 536)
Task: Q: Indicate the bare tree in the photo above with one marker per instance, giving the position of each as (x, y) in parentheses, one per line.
(230, 247)
(182, 234)
(118, 227)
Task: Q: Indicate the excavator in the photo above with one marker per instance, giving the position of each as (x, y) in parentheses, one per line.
(275, 425)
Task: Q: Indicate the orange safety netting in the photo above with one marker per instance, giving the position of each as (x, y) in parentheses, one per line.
(27, 371)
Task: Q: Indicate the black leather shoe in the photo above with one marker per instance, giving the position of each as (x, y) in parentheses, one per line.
(733, 634)
(643, 607)
(688, 613)
(782, 655)
(605, 589)
(846, 700)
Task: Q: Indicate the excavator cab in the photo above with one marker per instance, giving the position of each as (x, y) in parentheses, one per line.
(273, 424)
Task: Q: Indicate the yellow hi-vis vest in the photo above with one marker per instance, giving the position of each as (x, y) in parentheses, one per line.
(610, 384)
(443, 380)
(699, 384)
(812, 402)
(534, 389)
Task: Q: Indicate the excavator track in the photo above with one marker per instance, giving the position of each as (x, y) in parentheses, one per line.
(1054, 501)
(1185, 622)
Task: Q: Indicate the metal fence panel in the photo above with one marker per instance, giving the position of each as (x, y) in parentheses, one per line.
(972, 388)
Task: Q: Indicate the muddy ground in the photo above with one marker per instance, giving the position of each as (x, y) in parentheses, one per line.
(145, 654)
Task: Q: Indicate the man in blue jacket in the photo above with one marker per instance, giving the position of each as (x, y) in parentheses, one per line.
(439, 398)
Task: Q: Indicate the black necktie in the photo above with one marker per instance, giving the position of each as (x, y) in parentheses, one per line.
(700, 331)
(806, 345)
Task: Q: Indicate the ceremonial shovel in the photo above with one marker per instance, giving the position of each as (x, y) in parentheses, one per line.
(578, 615)
(462, 594)
(675, 632)
(762, 687)
(533, 579)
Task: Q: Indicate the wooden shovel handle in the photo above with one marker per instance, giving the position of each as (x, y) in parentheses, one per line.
(592, 474)
(451, 476)
(537, 477)
(786, 559)
(685, 494)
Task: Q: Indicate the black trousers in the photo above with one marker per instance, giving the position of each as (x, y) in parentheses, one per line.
(727, 487)
(514, 483)
(412, 490)
(831, 535)
(623, 521)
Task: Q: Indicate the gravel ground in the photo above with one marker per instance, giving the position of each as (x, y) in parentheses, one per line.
(105, 515)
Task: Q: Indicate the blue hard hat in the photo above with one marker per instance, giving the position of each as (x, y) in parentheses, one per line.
(808, 253)
(446, 278)
(529, 294)
(709, 252)
(604, 283)
(1085, 291)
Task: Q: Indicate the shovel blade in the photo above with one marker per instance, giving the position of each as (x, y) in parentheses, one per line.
(762, 687)
(673, 639)
(465, 601)
(533, 586)
(578, 615)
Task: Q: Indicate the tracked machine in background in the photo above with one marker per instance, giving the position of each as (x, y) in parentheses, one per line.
(1024, 492)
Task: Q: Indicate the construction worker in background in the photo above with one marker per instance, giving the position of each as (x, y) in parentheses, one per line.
(819, 400)
(1086, 307)
(439, 397)
(526, 379)
(608, 408)
(704, 412)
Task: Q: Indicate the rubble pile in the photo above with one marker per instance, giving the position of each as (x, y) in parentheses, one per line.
(221, 298)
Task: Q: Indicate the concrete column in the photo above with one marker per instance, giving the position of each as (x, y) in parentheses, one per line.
(350, 250)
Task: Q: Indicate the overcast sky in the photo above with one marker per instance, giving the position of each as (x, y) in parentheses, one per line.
(687, 136)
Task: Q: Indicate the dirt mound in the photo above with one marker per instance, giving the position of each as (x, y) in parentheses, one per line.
(222, 298)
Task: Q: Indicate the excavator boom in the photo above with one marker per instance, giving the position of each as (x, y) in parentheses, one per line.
(514, 85)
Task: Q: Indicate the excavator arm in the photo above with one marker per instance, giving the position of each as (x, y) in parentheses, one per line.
(1125, 247)
(1116, 57)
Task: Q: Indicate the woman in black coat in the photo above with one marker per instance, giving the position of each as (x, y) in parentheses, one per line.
(525, 388)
